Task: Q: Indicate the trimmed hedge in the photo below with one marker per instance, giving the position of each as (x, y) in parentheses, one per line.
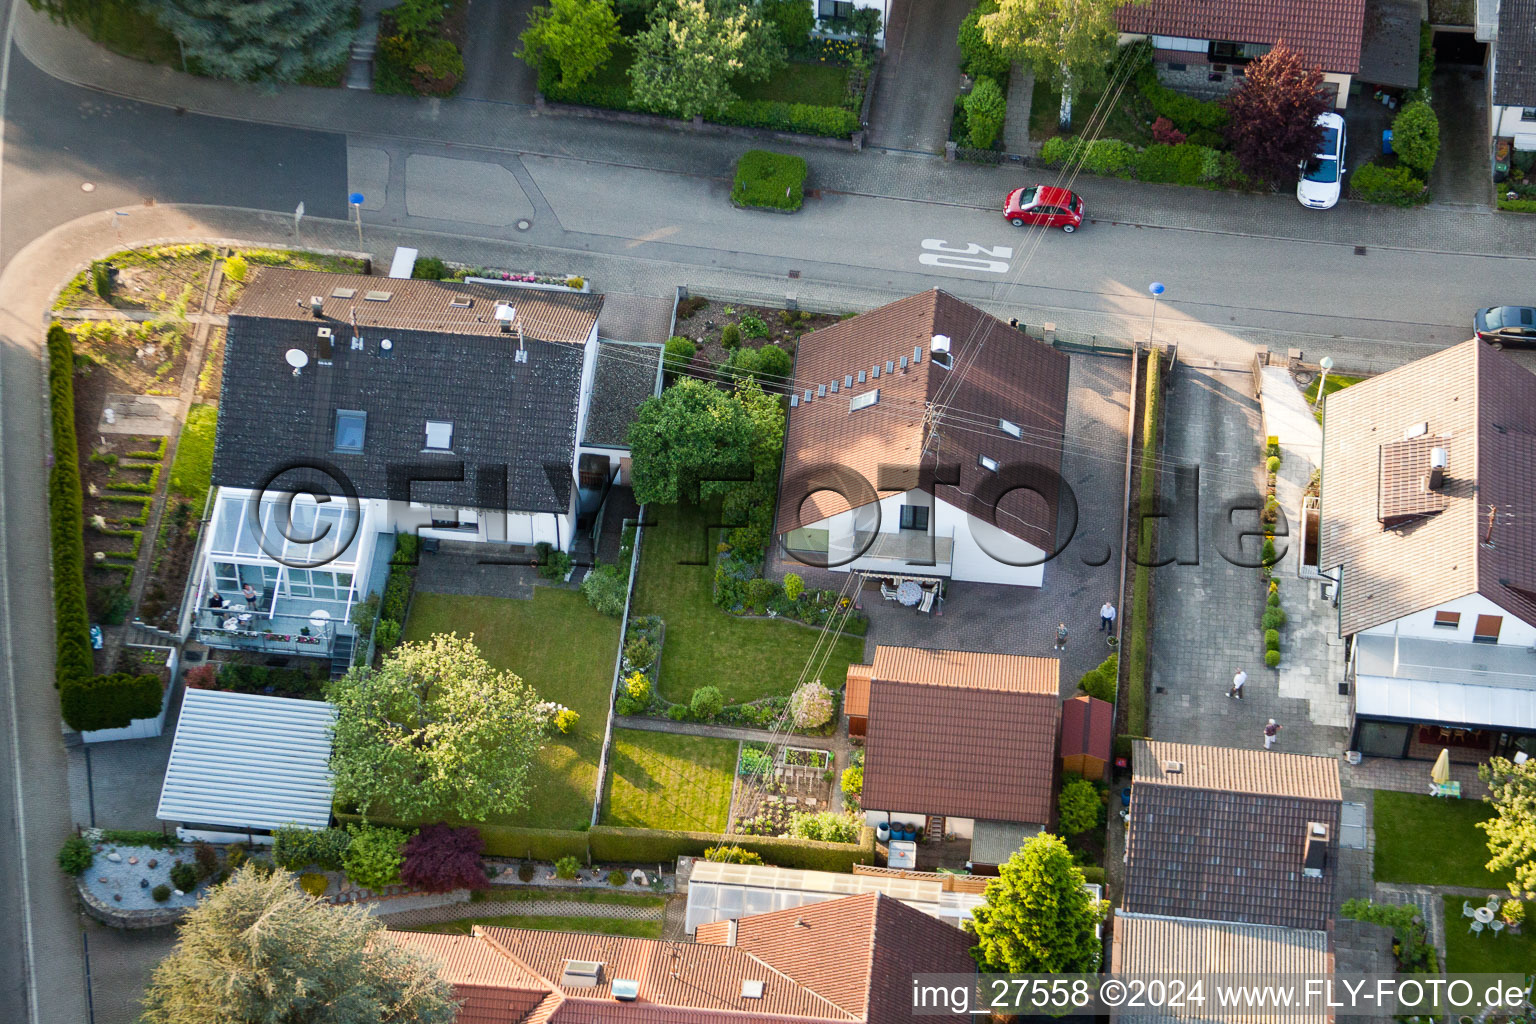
(1182, 164)
(1187, 113)
(505, 840)
(73, 659)
(109, 702)
(1517, 205)
(804, 118)
(775, 180)
(1395, 186)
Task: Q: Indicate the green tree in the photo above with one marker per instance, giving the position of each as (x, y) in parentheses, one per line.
(688, 56)
(1068, 43)
(1078, 806)
(706, 702)
(1512, 831)
(977, 56)
(256, 949)
(436, 732)
(1416, 136)
(692, 432)
(791, 20)
(985, 109)
(1037, 917)
(577, 35)
(1103, 680)
(250, 40)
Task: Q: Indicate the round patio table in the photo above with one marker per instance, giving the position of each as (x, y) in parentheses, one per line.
(909, 593)
(1483, 914)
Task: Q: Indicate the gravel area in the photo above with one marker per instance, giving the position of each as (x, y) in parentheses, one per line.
(588, 878)
(120, 882)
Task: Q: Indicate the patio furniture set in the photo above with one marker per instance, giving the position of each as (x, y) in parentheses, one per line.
(1485, 916)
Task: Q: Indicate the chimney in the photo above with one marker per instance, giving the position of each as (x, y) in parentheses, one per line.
(323, 346)
(1315, 856)
(730, 932)
(938, 349)
(317, 306)
(1173, 767)
(1439, 458)
(506, 315)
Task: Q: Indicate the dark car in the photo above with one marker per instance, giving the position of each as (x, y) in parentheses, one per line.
(1506, 325)
(1044, 204)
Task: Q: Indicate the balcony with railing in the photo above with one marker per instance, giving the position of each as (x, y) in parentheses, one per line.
(911, 551)
(267, 633)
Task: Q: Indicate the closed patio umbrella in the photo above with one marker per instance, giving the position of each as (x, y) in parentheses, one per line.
(1441, 772)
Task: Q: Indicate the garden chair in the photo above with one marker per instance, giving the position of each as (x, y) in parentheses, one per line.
(1495, 900)
(1477, 928)
(1467, 909)
(1496, 926)
(889, 593)
(927, 602)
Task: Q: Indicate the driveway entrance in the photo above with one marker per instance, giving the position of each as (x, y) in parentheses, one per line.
(1463, 175)
(915, 95)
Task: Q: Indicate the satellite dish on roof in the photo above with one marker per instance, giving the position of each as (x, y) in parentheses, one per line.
(298, 359)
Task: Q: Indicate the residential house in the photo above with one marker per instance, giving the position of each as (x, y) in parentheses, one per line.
(1203, 47)
(1426, 523)
(456, 411)
(1087, 736)
(959, 743)
(850, 959)
(924, 442)
(832, 17)
(1244, 836)
(1512, 73)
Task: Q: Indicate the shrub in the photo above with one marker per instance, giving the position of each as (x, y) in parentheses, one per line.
(1517, 205)
(730, 336)
(1272, 639)
(637, 686)
(760, 591)
(792, 21)
(732, 855)
(977, 56)
(1187, 113)
(567, 868)
(1272, 659)
(565, 720)
(525, 872)
(430, 268)
(1183, 164)
(753, 326)
(1164, 132)
(985, 110)
(637, 845)
(1512, 911)
(1395, 186)
(825, 827)
(853, 780)
(206, 858)
(101, 279)
(160, 893)
(1273, 618)
(1272, 464)
(678, 354)
(1058, 149)
(1109, 156)
(617, 878)
(804, 118)
(1416, 136)
(1103, 680)
(1273, 600)
(706, 702)
(76, 856)
(794, 586)
(1078, 806)
(373, 858)
(429, 67)
(605, 589)
(774, 180)
(810, 706)
(314, 884)
(440, 859)
(184, 877)
(387, 636)
(770, 363)
(236, 267)
(73, 658)
(556, 566)
(678, 712)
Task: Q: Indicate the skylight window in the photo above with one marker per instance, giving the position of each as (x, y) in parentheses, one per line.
(351, 425)
(864, 401)
(988, 463)
(439, 435)
(1011, 429)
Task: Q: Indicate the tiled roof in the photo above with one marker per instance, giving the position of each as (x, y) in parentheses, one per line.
(856, 692)
(645, 318)
(449, 364)
(1087, 727)
(491, 987)
(1002, 375)
(970, 735)
(1514, 60)
(1225, 839)
(1264, 772)
(1327, 32)
(1480, 406)
(626, 375)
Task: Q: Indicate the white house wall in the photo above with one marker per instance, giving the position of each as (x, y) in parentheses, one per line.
(1507, 123)
(588, 375)
(962, 827)
(976, 540)
(840, 528)
(1513, 632)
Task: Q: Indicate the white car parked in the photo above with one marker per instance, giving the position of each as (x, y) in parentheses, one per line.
(1322, 177)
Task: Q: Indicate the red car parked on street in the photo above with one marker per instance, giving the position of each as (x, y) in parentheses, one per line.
(1044, 204)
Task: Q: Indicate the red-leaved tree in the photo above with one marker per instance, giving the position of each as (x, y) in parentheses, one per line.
(1274, 116)
(441, 859)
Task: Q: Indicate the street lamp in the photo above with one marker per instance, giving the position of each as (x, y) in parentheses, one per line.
(1157, 289)
(356, 199)
(1327, 364)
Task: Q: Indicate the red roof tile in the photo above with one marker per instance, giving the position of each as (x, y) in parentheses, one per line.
(1328, 32)
(1087, 727)
(491, 987)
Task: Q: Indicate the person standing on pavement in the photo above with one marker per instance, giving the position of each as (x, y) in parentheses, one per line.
(1270, 732)
(1061, 637)
(1106, 617)
(1237, 684)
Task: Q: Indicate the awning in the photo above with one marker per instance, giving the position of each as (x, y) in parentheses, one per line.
(1421, 700)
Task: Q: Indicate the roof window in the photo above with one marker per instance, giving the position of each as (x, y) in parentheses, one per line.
(581, 974)
(439, 435)
(378, 296)
(1009, 428)
(986, 462)
(751, 988)
(864, 401)
(351, 425)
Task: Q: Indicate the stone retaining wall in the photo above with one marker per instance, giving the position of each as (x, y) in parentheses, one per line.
(117, 917)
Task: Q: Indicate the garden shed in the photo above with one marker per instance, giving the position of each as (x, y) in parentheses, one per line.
(243, 764)
(1087, 735)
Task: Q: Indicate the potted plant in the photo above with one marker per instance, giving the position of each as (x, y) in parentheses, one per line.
(304, 631)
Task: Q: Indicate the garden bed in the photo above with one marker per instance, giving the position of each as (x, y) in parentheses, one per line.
(767, 795)
(703, 320)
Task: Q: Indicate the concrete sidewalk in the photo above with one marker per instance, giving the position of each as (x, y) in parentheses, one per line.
(515, 128)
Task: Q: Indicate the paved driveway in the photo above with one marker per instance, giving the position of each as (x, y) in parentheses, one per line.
(490, 70)
(915, 95)
(1462, 176)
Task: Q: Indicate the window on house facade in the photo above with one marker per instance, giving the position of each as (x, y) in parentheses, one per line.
(914, 517)
(1450, 620)
(1226, 52)
(1177, 67)
(1487, 629)
(1528, 114)
(986, 462)
(834, 8)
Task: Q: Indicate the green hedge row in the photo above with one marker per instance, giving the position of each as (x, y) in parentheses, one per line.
(1187, 113)
(1517, 205)
(1181, 164)
(109, 702)
(1395, 186)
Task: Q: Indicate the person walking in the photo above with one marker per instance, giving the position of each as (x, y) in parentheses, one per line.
(1061, 637)
(1237, 684)
(1270, 732)
(1106, 617)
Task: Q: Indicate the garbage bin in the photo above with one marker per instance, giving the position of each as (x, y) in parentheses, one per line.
(1386, 141)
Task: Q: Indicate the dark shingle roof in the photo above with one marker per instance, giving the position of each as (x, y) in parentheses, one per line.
(1001, 374)
(504, 413)
(1224, 839)
(1327, 32)
(626, 375)
(1514, 59)
(1480, 406)
(1389, 47)
(966, 735)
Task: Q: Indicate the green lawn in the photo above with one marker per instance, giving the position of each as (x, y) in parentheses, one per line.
(822, 85)
(564, 649)
(1128, 122)
(592, 925)
(1466, 952)
(661, 780)
(745, 658)
(1428, 840)
(192, 472)
(1336, 382)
